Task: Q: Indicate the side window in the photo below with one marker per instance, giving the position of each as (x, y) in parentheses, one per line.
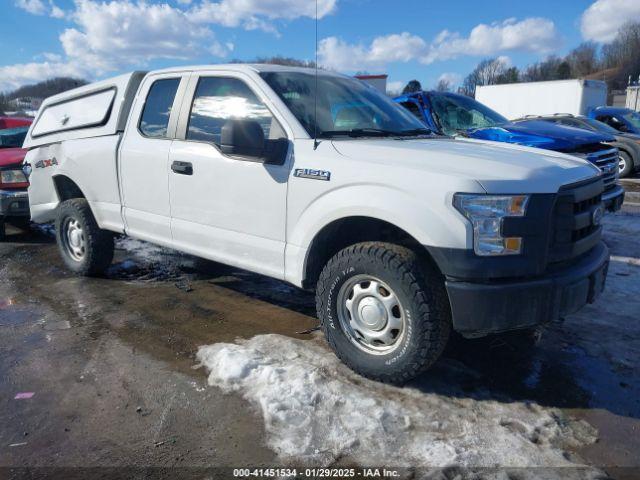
(157, 108)
(570, 123)
(218, 100)
(413, 108)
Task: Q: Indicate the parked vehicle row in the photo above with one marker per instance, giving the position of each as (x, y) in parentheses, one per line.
(628, 144)
(14, 202)
(319, 180)
(458, 115)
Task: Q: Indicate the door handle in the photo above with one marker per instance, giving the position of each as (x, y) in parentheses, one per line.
(182, 168)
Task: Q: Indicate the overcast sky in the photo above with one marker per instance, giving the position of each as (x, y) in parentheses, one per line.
(407, 39)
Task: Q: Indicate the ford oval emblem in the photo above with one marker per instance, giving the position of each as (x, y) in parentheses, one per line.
(596, 216)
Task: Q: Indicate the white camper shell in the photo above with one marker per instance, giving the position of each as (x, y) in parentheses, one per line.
(92, 110)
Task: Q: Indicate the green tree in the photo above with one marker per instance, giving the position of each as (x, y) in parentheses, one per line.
(412, 87)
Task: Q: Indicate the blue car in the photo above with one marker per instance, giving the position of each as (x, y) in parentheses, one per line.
(622, 119)
(458, 115)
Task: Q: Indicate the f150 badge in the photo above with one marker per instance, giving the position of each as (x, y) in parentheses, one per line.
(312, 174)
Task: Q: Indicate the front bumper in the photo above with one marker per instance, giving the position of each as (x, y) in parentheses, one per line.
(482, 308)
(613, 198)
(14, 203)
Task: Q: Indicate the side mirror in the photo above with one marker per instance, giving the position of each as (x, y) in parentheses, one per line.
(245, 138)
(242, 137)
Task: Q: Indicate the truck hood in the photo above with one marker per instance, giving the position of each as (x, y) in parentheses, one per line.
(540, 134)
(498, 167)
(629, 136)
(10, 157)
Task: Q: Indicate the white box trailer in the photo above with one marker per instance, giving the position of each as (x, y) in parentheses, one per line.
(517, 100)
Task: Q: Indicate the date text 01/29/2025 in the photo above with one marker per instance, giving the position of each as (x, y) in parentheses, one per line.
(316, 472)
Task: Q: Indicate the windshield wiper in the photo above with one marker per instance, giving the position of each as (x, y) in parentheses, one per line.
(374, 132)
(415, 131)
(359, 132)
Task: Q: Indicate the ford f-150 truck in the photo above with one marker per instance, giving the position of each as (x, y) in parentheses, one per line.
(14, 203)
(325, 183)
(458, 115)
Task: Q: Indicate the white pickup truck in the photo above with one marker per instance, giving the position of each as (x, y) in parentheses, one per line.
(404, 234)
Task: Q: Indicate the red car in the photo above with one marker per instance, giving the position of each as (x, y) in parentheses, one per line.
(14, 202)
(13, 122)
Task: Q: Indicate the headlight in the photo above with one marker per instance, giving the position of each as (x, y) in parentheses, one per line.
(486, 213)
(12, 176)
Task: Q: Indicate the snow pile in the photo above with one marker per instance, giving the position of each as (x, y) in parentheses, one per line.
(317, 411)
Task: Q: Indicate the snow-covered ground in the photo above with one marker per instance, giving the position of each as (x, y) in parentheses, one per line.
(317, 411)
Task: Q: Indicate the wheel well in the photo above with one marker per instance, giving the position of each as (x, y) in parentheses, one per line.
(630, 155)
(341, 233)
(66, 188)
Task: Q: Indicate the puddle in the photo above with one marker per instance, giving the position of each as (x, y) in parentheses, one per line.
(15, 316)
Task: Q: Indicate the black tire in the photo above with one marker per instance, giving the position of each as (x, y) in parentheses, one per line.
(97, 243)
(418, 287)
(2, 229)
(625, 158)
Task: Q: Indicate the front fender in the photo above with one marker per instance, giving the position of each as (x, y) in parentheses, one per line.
(430, 222)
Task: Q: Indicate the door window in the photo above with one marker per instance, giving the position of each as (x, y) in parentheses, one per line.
(218, 100)
(154, 120)
(413, 108)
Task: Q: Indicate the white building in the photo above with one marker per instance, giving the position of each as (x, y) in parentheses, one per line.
(377, 81)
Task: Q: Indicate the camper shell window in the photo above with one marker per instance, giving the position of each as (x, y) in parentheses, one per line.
(89, 110)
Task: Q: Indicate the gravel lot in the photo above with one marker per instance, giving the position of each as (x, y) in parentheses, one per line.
(173, 362)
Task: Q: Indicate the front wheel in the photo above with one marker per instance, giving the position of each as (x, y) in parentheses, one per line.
(85, 248)
(625, 164)
(384, 313)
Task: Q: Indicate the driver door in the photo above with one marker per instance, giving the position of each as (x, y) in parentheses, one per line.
(227, 208)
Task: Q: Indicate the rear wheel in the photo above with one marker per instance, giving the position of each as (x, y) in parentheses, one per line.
(2, 229)
(383, 313)
(85, 248)
(625, 164)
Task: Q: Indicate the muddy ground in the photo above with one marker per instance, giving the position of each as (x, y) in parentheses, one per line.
(111, 365)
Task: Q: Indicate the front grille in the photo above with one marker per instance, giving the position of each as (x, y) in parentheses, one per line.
(605, 158)
(573, 229)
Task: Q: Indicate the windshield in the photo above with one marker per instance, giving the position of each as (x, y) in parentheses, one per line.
(13, 137)
(600, 126)
(457, 113)
(633, 118)
(344, 106)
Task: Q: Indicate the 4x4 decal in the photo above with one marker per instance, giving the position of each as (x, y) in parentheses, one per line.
(46, 163)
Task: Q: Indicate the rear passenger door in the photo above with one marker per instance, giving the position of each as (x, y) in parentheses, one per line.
(227, 208)
(144, 157)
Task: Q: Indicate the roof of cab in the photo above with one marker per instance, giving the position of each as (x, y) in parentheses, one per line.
(247, 68)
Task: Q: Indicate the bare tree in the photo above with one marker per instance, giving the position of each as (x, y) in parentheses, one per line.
(46, 88)
(622, 55)
(583, 59)
(510, 75)
(487, 72)
(443, 85)
(552, 68)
